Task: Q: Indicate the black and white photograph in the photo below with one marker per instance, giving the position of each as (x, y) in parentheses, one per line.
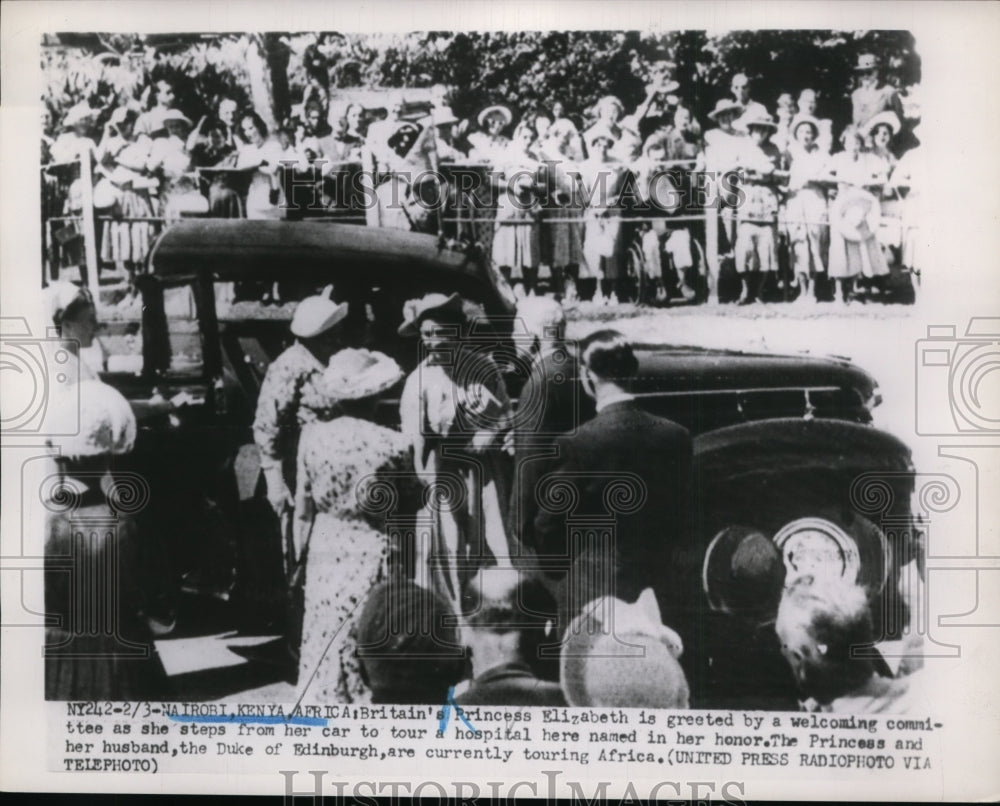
(482, 372)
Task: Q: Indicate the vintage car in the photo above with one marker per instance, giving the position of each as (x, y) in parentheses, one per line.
(782, 443)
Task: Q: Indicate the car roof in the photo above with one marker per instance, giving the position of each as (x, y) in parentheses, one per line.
(313, 251)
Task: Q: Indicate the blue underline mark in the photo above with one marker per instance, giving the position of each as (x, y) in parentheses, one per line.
(308, 721)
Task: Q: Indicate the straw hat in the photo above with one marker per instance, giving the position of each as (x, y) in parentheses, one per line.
(855, 215)
(175, 116)
(609, 100)
(78, 113)
(496, 109)
(866, 62)
(725, 105)
(106, 421)
(616, 654)
(807, 120)
(887, 118)
(317, 314)
(416, 310)
(761, 119)
(353, 374)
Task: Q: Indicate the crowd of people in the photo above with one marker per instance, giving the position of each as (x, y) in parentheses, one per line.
(601, 207)
(537, 554)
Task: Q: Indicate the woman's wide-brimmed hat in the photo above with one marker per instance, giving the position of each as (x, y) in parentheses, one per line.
(416, 310)
(855, 215)
(609, 100)
(79, 113)
(887, 118)
(620, 654)
(805, 120)
(317, 314)
(495, 110)
(866, 62)
(96, 419)
(743, 573)
(726, 106)
(175, 116)
(353, 374)
(61, 296)
(760, 119)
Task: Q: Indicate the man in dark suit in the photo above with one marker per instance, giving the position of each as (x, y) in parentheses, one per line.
(550, 405)
(614, 510)
(504, 625)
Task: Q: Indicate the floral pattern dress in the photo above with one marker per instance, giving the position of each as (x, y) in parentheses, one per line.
(346, 468)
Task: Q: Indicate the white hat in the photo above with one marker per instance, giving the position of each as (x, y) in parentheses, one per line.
(351, 375)
(496, 109)
(175, 115)
(443, 116)
(78, 113)
(808, 120)
(106, 421)
(317, 314)
(599, 132)
(616, 654)
(724, 106)
(887, 118)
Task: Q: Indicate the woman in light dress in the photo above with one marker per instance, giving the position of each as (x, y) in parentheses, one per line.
(263, 153)
(806, 211)
(516, 245)
(455, 412)
(857, 253)
(351, 474)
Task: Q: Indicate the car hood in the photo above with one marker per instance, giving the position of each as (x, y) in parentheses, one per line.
(683, 368)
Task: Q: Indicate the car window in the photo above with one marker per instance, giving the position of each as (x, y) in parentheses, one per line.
(183, 331)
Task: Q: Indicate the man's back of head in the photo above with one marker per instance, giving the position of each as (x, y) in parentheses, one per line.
(608, 355)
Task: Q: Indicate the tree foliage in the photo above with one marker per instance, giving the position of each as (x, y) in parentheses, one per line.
(526, 70)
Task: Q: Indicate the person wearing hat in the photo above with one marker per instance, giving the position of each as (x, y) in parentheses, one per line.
(346, 465)
(742, 578)
(806, 210)
(656, 111)
(756, 250)
(455, 411)
(489, 144)
(618, 653)
(316, 325)
(626, 142)
(70, 309)
(75, 141)
(516, 246)
(880, 131)
(408, 645)
(170, 162)
(739, 86)
(870, 98)
(400, 160)
(854, 246)
(725, 147)
(551, 404)
(85, 660)
(505, 615)
(603, 177)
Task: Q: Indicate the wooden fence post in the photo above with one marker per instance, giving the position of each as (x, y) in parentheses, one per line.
(89, 228)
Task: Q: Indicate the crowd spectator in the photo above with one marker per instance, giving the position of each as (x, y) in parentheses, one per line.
(505, 614)
(516, 248)
(872, 96)
(806, 210)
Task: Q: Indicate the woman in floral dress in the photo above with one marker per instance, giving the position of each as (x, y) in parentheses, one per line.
(351, 473)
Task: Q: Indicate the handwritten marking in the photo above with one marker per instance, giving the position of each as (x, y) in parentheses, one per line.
(446, 713)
